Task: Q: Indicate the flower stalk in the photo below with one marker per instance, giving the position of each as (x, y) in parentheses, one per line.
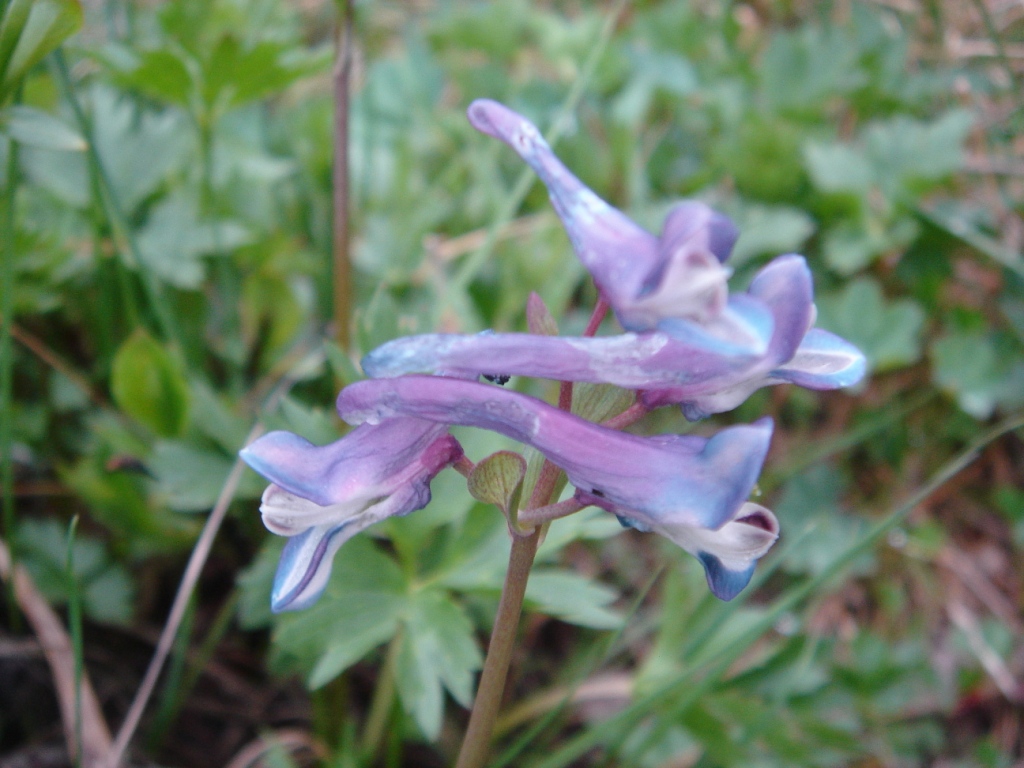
(477, 741)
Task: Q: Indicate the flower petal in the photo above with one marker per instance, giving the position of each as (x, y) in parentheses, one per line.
(784, 285)
(823, 361)
(305, 564)
(688, 281)
(367, 463)
(685, 479)
(730, 553)
(697, 362)
(323, 495)
(643, 278)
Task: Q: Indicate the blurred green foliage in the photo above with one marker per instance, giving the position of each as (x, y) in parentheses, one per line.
(172, 262)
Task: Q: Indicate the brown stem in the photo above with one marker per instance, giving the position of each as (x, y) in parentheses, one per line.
(533, 517)
(342, 265)
(628, 417)
(464, 466)
(597, 316)
(477, 742)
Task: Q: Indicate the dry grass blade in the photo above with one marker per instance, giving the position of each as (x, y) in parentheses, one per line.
(60, 656)
(181, 599)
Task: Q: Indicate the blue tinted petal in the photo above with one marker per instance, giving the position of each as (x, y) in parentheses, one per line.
(823, 361)
(724, 584)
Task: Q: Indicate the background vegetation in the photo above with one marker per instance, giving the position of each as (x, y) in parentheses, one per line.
(167, 285)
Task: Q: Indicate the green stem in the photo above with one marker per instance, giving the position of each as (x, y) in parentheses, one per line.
(628, 417)
(383, 701)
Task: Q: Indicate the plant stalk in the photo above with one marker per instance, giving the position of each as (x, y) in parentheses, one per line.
(383, 701)
(7, 280)
(341, 261)
(477, 742)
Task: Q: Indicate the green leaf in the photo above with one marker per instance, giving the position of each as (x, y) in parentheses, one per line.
(107, 590)
(572, 598)
(887, 332)
(344, 370)
(903, 150)
(190, 478)
(770, 229)
(653, 71)
(498, 479)
(31, 29)
(315, 424)
(162, 73)
(254, 585)
(980, 371)
(139, 149)
(359, 609)
(34, 128)
(175, 238)
(810, 508)
(439, 648)
(802, 68)
(148, 384)
(838, 168)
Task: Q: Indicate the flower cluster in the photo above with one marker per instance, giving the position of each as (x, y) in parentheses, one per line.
(687, 342)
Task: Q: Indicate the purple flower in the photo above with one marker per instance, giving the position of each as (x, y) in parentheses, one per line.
(644, 278)
(322, 496)
(797, 353)
(706, 368)
(691, 489)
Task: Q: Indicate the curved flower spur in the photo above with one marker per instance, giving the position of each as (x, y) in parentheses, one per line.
(642, 277)
(690, 489)
(321, 496)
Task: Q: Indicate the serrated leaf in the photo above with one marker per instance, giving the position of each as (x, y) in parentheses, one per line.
(160, 73)
(887, 332)
(419, 687)
(138, 148)
(444, 641)
(148, 384)
(175, 238)
(572, 598)
(498, 479)
(190, 478)
(34, 128)
(359, 609)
